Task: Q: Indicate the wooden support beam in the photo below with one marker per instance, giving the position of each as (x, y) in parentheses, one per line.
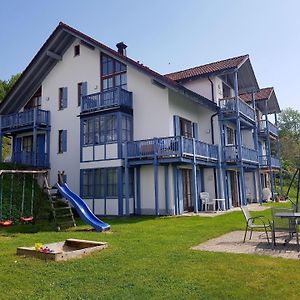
(167, 190)
(54, 55)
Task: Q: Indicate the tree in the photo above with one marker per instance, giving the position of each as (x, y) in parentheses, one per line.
(289, 123)
(5, 86)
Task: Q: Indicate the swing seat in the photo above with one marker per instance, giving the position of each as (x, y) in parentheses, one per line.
(26, 219)
(6, 223)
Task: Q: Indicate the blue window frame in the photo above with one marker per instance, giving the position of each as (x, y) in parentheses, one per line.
(62, 141)
(99, 183)
(104, 129)
(113, 73)
(62, 98)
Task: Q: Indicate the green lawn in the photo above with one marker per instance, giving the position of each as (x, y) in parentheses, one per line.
(147, 258)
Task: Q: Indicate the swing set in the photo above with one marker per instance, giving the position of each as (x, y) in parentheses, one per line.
(9, 201)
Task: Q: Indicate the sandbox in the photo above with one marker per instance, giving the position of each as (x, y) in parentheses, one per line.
(65, 250)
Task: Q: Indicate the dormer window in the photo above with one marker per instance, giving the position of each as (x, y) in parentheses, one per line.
(76, 50)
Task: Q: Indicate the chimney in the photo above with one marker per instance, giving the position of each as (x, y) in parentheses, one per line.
(122, 48)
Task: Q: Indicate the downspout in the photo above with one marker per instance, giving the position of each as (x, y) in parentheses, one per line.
(212, 131)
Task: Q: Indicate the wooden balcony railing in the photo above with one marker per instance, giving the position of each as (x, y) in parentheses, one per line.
(275, 162)
(107, 99)
(25, 118)
(168, 147)
(232, 154)
(233, 105)
(273, 129)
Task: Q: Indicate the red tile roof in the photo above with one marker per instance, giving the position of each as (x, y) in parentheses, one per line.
(262, 94)
(207, 69)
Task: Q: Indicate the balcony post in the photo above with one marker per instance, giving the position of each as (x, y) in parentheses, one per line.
(239, 140)
(269, 150)
(1, 137)
(194, 178)
(155, 171)
(126, 181)
(34, 146)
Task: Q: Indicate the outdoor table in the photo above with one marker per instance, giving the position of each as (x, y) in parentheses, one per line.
(221, 203)
(293, 216)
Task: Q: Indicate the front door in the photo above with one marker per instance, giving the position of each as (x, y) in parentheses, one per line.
(187, 190)
(234, 188)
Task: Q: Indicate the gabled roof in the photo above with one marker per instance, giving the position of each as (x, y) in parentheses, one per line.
(52, 51)
(261, 96)
(208, 69)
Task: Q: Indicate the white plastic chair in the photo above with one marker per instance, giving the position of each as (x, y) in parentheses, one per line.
(206, 201)
(266, 194)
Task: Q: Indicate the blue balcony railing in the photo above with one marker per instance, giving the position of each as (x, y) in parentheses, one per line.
(273, 129)
(167, 147)
(27, 158)
(107, 99)
(25, 118)
(232, 105)
(275, 162)
(232, 154)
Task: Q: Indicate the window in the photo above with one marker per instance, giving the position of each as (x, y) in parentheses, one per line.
(79, 93)
(226, 90)
(87, 183)
(100, 183)
(127, 132)
(186, 128)
(76, 50)
(230, 136)
(35, 100)
(100, 130)
(62, 141)
(112, 183)
(62, 98)
(113, 73)
(27, 143)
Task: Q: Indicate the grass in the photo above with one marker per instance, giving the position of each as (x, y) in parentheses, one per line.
(147, 258)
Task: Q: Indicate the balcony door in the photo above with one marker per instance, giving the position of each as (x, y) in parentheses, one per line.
(187, 190)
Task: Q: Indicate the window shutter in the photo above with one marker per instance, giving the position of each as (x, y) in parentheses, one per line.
(64, 140)
(176, 121)
(84, 89)
(65, 97)
(195, 131)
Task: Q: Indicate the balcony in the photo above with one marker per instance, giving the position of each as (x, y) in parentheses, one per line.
(275, 162)
(172, 147)
(113, 98)
(248, 155)
(27, 158)
(231, 106)
(27, 118)
(262, 128)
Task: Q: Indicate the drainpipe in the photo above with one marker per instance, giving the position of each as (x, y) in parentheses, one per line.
(212, 89)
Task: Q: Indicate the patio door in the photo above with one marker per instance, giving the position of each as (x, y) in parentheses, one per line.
(234, 188)
(187, 190)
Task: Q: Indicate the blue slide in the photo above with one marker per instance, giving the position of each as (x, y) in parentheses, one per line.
(82, 209)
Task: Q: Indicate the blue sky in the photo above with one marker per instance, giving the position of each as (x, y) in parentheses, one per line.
(167, 35)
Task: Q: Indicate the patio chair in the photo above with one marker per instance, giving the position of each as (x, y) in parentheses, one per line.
(266, 194)
(251, 223)
(206, 201)
(283, 225)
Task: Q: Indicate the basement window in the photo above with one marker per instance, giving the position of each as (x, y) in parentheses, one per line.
(77, 50)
